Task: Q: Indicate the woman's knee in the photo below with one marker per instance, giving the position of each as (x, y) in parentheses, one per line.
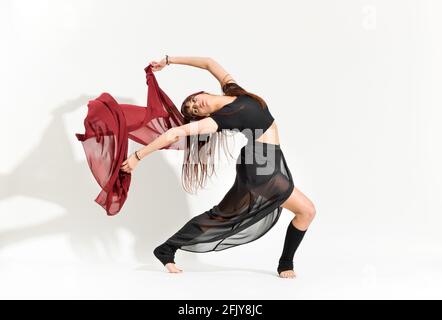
(309, 213)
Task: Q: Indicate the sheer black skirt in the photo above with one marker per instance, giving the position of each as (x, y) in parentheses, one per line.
(249, 209)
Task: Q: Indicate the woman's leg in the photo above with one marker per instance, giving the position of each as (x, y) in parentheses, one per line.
(166, 254)
(304, 212)
(191, 231)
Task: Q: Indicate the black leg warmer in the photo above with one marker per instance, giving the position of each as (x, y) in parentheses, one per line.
(293, 238)
(165, 253)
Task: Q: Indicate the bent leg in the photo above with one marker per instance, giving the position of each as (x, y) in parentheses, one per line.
(305, 212)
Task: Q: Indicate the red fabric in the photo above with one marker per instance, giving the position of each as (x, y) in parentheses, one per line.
(109, 125)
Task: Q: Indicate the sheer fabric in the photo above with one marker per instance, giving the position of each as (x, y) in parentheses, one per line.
(109, 125)
(249, 209)
(252, 205)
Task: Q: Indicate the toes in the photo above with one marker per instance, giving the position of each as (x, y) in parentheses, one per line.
(287, 274)
(174, 271)
(172, 268)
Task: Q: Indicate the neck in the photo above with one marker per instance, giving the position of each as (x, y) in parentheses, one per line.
(217, 102)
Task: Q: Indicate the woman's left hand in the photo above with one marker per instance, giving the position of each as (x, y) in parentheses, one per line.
(130, 163)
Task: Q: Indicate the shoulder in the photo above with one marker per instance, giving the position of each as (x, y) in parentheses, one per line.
(231, 88)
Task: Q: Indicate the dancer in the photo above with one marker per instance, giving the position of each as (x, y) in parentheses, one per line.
(263, 184)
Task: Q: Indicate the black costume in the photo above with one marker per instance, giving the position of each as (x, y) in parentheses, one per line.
(252, 206)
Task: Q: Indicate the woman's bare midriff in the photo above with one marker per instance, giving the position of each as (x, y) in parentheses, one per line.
(270, 135)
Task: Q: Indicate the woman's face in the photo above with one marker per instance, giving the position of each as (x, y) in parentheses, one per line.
(198, 105)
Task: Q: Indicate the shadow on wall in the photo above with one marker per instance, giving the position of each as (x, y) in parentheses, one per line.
(50, 173)
(153, 211)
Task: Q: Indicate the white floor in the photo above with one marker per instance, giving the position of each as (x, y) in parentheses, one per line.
(46, 268)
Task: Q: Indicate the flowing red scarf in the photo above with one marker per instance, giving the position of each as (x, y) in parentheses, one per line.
(109, 125)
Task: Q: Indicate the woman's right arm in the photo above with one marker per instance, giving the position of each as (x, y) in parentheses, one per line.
(199, 62)
(207, 63)
(172, 135)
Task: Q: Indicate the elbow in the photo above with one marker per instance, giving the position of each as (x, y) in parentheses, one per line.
(209, 62)
(172, 135)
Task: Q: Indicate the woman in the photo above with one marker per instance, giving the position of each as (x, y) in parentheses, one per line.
(263, 183)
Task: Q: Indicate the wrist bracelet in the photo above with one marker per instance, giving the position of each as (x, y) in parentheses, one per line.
(136, 155)
(167, 59)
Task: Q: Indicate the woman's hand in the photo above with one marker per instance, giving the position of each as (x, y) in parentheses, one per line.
(130, 163)
(157, 66)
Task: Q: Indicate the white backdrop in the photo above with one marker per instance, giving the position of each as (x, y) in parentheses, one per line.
(353, 84)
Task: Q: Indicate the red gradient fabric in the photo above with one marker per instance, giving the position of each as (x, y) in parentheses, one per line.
(108, 127)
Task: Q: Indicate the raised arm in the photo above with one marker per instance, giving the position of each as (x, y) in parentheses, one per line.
(198, 62)
(219, 72)
(207, 63)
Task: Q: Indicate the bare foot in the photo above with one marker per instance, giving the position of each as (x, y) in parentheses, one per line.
(172, 268)
(288, 274)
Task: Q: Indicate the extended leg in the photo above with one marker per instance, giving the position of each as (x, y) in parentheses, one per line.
(166, 254)
(193, 229)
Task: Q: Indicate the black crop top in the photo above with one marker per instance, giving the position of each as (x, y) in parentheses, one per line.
(244, 114)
